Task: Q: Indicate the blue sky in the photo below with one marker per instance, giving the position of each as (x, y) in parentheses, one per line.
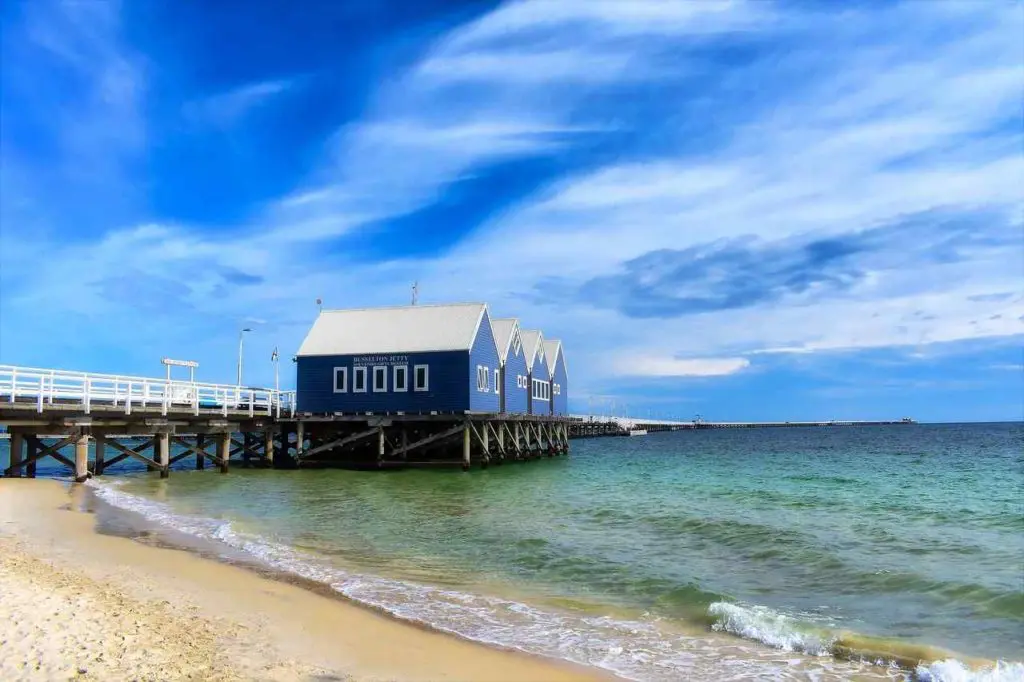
(746, 210)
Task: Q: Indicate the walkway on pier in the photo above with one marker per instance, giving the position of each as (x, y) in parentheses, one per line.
(78, 407)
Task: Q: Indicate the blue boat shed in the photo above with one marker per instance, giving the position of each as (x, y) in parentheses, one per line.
(514, 378)
(539, 376)
(559, 377)
(422, 359)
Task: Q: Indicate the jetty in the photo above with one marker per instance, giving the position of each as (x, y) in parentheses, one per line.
(108, 418)
(592, 426)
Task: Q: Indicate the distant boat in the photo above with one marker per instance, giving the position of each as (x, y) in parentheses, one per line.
(638, 432)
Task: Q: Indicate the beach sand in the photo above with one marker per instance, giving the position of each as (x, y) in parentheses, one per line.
(77, 604)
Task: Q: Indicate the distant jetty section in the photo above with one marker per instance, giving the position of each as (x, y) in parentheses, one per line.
(590, 426)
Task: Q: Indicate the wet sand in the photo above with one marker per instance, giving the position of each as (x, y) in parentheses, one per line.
(83, 605)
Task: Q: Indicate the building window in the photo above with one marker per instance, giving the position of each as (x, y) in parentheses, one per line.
(359, 380)
(541, 390)
(517, 344)
(380, 379)
(497, 382)
(482, 378)
(422, 376)
(401, 379)
(341, 379)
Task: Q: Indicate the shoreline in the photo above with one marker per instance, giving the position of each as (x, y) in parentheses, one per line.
(118, 608)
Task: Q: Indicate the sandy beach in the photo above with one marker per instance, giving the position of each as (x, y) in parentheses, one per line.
(78, 604)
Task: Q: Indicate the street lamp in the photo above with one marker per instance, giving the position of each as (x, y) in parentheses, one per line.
(241, 341)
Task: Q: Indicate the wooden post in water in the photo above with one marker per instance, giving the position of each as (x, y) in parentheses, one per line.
(82, 458)
(486, 444)
(380, 446)
(268, 445)
(224, 451)
(300, 437)
(465, 447)
(200, 456)
(101, 455)
(163, 453)
(17, 452)
(33, 447)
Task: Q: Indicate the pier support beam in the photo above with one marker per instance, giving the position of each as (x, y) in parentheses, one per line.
(34, 446)
(17, 453)
(466, 443)
(300, 437)
(101, 455)
(163, 453)
(224, 451)
(81, 458)
(268, 446)
(201, 454)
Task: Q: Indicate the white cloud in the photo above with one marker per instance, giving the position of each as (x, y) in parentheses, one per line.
(658, 366)
(226, 108)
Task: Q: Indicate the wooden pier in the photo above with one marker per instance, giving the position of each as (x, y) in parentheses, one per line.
(158, 422)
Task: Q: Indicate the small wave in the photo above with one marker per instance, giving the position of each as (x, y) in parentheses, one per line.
(952, 670)
(768, 627)
(790, 634)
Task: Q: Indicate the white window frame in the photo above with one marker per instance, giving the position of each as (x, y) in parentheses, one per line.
(426, 377)
(405, 377)
(517, 344)
(482, 379)
(497, 382)
(344, 384)
(359, 372)
(383, 371)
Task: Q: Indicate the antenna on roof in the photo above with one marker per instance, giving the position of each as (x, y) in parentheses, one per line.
(415, 292)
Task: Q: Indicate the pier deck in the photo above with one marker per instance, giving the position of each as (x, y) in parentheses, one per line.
(46, 411)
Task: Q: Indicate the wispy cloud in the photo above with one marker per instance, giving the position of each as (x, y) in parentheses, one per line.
(653, 366)
(227, 108)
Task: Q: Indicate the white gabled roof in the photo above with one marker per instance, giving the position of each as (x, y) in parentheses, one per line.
(406, 329)
(551, 348)
(533, 341)
(503, 329)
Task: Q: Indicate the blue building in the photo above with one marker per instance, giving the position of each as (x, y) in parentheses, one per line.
(514, 375)
(559, 377)
(412, 359)
(539, 376)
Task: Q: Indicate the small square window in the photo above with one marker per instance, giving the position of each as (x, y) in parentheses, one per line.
(401, 378)
(341, 379)
(359, 380)
(380, 379)
(421, 377)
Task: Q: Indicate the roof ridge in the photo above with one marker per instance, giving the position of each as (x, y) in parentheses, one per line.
(400, 307)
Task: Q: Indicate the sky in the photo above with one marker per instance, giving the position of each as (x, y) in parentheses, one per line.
(740, 210)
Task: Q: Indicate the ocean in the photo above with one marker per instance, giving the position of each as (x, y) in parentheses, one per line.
(782, 553)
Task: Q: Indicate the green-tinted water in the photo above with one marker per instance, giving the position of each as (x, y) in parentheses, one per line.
(631, 551)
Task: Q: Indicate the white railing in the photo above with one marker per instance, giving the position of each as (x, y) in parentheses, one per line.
(48, 386)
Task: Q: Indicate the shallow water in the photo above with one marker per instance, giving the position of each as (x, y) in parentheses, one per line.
(720, 554)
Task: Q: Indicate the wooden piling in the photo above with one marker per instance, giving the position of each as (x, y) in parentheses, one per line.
(380, 445)
(82, 458)
(101, 455)
(17, 452)
(224, 451)
(465, 447)
(163, 453)
(268, 446)
(300, 435)
(200, 456)
(33, 445)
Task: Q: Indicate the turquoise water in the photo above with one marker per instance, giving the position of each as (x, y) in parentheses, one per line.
(718, 553)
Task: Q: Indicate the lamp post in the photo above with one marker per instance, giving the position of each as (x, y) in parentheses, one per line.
(241, 342)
